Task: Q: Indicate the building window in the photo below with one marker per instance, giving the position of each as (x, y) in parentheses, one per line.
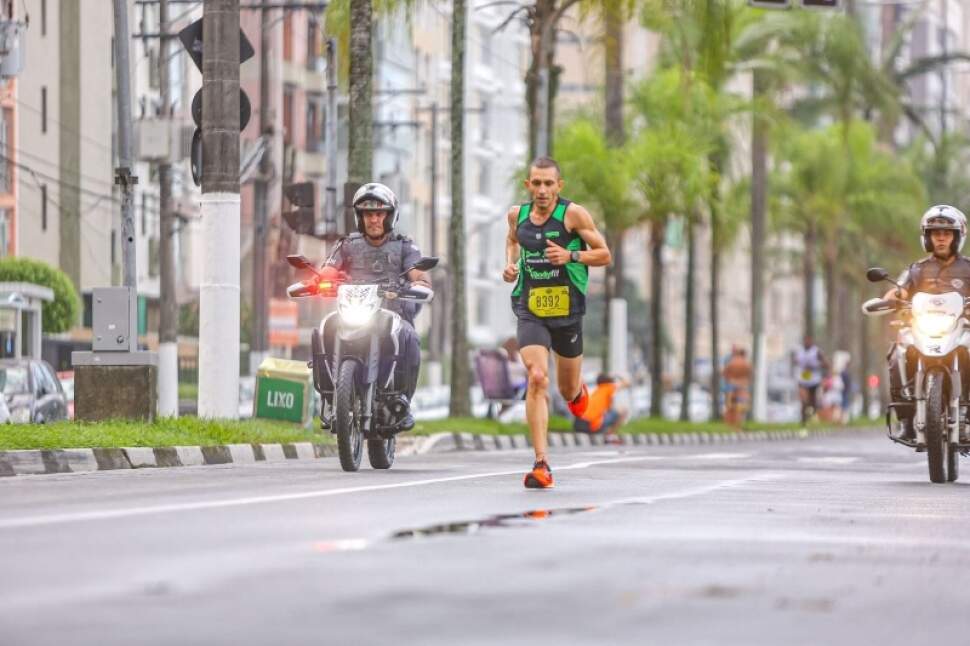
(313, 54)
(314, 123)
(43, 109)
(288, 36)
(288, 115)
(4, 233)
(484, 177)
(43, 17)
(481, 308)
(485, 121)
(43, 207)
(485, 37)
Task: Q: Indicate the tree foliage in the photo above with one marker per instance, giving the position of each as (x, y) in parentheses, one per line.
(59, 315)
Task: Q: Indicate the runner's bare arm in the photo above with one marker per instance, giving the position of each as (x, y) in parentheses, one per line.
(579, 220)
(511, 272)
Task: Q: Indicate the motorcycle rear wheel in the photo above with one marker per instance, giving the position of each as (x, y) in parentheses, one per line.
(347, 417)
(937, 442)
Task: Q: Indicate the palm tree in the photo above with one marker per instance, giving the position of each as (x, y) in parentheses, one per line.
(669, 161)
(360, 146)
(460, 404)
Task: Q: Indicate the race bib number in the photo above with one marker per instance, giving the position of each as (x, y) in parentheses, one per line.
(546, 302)
(807, 375)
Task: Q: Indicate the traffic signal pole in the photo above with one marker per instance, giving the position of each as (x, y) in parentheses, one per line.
(168, 401)
(220, 291)
(260, 296)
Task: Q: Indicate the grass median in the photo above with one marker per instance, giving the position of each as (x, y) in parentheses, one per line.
(184, 431)
(192, 431)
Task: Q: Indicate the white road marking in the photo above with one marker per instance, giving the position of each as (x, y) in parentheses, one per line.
(107, 514)
(833, 459)
(717, 456)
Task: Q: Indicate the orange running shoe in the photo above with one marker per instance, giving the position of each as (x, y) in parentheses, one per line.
(540, 477)
(578, 406)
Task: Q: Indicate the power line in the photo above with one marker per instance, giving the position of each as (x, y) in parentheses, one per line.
(93, 141)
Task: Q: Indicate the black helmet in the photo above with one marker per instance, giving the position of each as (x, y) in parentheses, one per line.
(383, 199)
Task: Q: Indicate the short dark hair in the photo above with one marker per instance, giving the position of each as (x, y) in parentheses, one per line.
(545, 162)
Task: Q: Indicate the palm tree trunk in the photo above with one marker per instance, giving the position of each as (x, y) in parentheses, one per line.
(689, 324)
(460, 405)
(808, 275)
(360, 149)
(759, 182)
(830, 303)
(656, 320)
(613, 59)
(715, 318)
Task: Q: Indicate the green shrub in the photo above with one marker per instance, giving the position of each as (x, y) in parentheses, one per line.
(65, 309)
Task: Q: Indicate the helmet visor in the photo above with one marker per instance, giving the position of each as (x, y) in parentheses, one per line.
(941, 223)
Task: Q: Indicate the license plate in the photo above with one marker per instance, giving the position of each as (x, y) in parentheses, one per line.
(546, 302)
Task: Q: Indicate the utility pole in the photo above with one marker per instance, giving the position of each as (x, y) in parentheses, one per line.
(123, 176)
(219, 292)
(331, 141)
(168, 401)
(436, 342)
(759, 179)
(260, 341)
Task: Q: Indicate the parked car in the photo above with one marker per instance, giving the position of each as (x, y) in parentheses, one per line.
(32, 391)
(66, 378)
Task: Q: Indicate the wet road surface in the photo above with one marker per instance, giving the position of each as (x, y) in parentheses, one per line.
(839, 540)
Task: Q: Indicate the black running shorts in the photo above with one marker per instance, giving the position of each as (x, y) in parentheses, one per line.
(565, 341)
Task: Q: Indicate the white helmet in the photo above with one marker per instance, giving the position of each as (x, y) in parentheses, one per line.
(385, 201)
(943, 217)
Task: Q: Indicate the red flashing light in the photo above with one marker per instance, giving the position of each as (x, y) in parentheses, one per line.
(325, 285)
(873, 381)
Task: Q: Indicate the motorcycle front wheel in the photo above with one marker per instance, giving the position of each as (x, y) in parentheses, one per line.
(348, 417)
(937, 442)
(380, 452)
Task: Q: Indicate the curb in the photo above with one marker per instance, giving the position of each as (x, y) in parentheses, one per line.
(47, 461)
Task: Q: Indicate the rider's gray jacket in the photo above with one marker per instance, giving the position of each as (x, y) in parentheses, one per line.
(364, 262)
(932, 276)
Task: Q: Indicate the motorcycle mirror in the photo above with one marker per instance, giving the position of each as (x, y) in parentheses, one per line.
(877, 274)
(424, 264)
(299, 261)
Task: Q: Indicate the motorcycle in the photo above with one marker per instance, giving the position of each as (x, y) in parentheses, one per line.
(355, 356)
(932, 345)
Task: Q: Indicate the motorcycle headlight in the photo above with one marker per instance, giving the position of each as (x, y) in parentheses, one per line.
(357, 304)
(935, 323)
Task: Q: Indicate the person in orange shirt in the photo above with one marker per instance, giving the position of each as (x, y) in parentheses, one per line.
(601, 415)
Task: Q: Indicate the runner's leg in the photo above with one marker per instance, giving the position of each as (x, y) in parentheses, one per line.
(536, 360)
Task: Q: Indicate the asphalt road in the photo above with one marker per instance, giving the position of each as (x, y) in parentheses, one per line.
(826, 541)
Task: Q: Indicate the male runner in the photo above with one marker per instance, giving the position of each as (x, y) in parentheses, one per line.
(550, 245)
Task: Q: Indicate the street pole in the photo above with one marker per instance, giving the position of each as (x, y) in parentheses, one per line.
(123, 176)
(759, 179)
(436, 341)
(219, 291)
(168, 382)
(260, 341)
(331, 142)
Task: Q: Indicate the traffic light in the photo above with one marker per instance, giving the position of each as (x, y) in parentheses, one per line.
(305, 196)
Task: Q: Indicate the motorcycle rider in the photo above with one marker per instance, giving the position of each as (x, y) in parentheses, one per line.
(943, 231)
(376, 252)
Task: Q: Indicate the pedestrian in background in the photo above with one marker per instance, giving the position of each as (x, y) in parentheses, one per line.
(602, 415)
(737, 380)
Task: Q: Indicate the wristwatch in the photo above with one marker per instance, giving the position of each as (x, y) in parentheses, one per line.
(574, 256)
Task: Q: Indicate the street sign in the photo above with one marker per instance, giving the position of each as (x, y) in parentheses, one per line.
(191, 38)
(245, 109)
